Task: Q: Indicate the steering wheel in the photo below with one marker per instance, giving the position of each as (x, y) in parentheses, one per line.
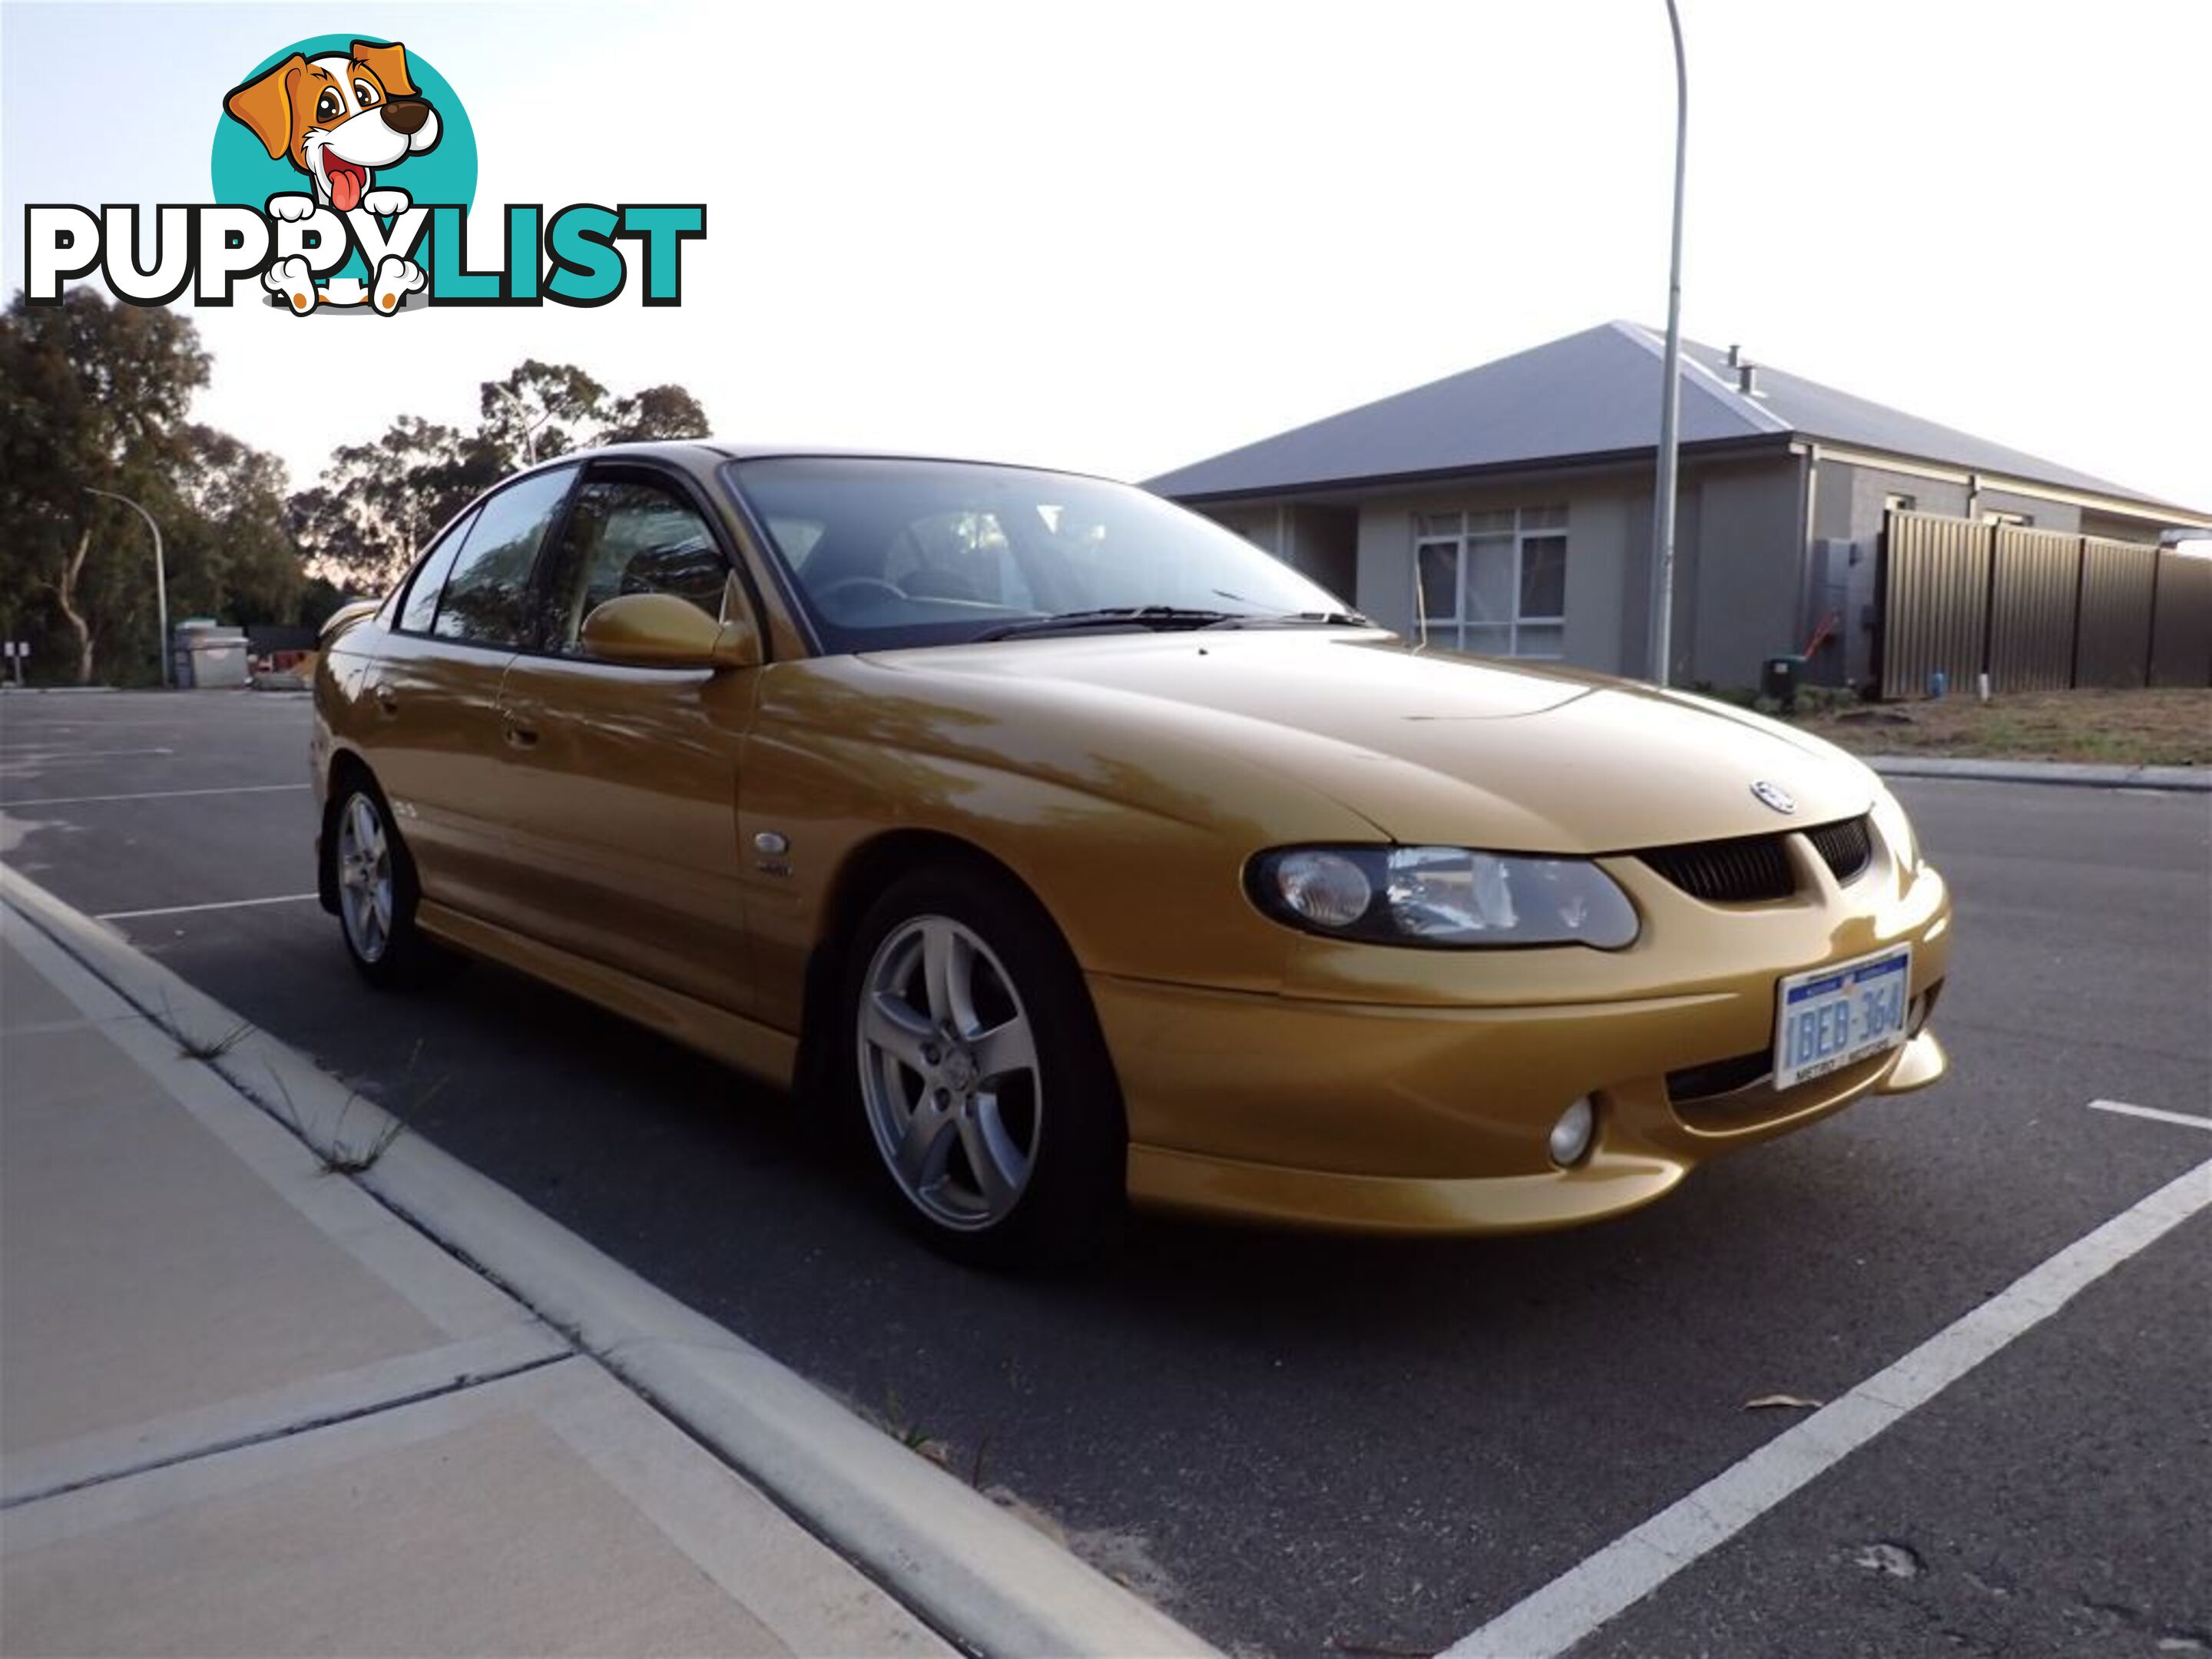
(827, 597)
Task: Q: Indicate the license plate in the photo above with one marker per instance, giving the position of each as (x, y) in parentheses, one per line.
(1829, 1017)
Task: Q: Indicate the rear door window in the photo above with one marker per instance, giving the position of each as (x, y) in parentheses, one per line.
(485, 599)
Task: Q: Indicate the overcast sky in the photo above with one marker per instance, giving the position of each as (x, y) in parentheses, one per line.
(1123, 236)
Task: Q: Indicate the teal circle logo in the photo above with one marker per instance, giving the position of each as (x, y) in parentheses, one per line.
(245, 174)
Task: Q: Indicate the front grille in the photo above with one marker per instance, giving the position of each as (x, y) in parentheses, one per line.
(1846, 849)
(1755, 869)
(1750, 870)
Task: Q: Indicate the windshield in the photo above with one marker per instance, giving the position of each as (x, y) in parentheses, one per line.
(890, 553)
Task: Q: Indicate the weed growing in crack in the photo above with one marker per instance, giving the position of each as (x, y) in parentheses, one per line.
(193, 1049)
(912, 1435)
(338, 1157)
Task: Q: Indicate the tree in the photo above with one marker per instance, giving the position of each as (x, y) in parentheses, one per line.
(92, 396)
(659, 411)
(378, 503)
(318, 598)
(541, 409)
(544, 409)
(232, 551)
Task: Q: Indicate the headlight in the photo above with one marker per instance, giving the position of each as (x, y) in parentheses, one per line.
(1445, 896)
(1896, 830)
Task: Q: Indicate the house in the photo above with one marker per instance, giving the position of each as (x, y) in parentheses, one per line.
(1519, 494)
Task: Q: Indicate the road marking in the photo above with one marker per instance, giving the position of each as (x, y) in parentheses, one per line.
(83, 755)
(2155, 1113)
(37, 754)
(186, 910)
(1639, 1562)
(151, 795)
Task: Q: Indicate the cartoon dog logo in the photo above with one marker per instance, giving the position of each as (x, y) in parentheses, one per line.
(339, 119)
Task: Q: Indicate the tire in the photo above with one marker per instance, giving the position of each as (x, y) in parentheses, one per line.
(973, 1062)
(374, 875)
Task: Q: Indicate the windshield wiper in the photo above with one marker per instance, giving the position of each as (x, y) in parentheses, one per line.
(1154, 617)
(1308, 618)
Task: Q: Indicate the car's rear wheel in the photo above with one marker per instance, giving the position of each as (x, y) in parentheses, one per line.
(375, 882)
(984, 1085)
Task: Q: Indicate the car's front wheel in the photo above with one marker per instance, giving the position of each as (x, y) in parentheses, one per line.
(984, 1084)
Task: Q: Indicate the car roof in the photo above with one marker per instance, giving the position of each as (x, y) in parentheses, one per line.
(695, 450)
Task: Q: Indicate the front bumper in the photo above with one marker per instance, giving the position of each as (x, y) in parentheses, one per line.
(1430, 1115)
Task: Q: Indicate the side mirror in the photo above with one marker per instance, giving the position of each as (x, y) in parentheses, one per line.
(658, 630)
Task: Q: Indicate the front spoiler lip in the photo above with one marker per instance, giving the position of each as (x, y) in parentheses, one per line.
(1615, 1181)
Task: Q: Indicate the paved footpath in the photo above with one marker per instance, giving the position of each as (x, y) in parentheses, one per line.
(247, 1408)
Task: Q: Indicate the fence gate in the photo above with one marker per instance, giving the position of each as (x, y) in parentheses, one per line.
(2032, 592)
(2112, 646)
(2181, 621)
(1935, 600)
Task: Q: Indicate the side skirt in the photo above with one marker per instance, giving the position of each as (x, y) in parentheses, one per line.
(742, 1044)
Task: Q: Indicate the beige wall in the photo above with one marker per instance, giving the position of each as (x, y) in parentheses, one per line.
(1748, 589)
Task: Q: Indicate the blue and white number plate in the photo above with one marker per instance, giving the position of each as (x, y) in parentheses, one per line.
(1826, 1019)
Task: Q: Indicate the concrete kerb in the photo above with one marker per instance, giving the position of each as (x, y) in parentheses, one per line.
(983, 1578)
(2186, 779)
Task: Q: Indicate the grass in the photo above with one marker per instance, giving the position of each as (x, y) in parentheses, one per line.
(190, 1048)
(202, 1048)
(895, 1422)
(341, 1157)
(2164, 726)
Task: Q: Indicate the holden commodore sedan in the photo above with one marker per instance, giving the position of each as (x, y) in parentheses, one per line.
(1075, 851)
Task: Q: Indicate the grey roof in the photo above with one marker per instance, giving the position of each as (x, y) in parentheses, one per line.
(1588, 395)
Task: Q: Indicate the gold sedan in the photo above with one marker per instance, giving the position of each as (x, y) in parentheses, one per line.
(1077, 852)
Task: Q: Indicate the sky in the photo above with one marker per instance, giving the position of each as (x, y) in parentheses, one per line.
(1120, 237)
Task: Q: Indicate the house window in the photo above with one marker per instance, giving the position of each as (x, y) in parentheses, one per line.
(1494, 583)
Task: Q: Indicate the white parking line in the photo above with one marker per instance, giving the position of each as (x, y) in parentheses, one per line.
(1639, 1562)
(187, 910)
(152, 794)
(2155, 1113)
(44, 754)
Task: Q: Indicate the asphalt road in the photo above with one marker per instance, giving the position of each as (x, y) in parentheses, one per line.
(1303, 1446)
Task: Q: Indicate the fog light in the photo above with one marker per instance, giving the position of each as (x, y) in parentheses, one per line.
(1570, 1135)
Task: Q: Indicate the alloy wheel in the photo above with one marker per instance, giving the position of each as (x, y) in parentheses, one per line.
(364, 871)
(949, 1073)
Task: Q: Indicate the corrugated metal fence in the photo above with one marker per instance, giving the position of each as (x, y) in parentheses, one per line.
(2037, 610)
(2181, 626)
(2033, 593)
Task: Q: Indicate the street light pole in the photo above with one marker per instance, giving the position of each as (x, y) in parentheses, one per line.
(161, 576)
(1670, 399)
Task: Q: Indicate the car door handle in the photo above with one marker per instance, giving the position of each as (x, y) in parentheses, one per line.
(520, 735)
(386, 699)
